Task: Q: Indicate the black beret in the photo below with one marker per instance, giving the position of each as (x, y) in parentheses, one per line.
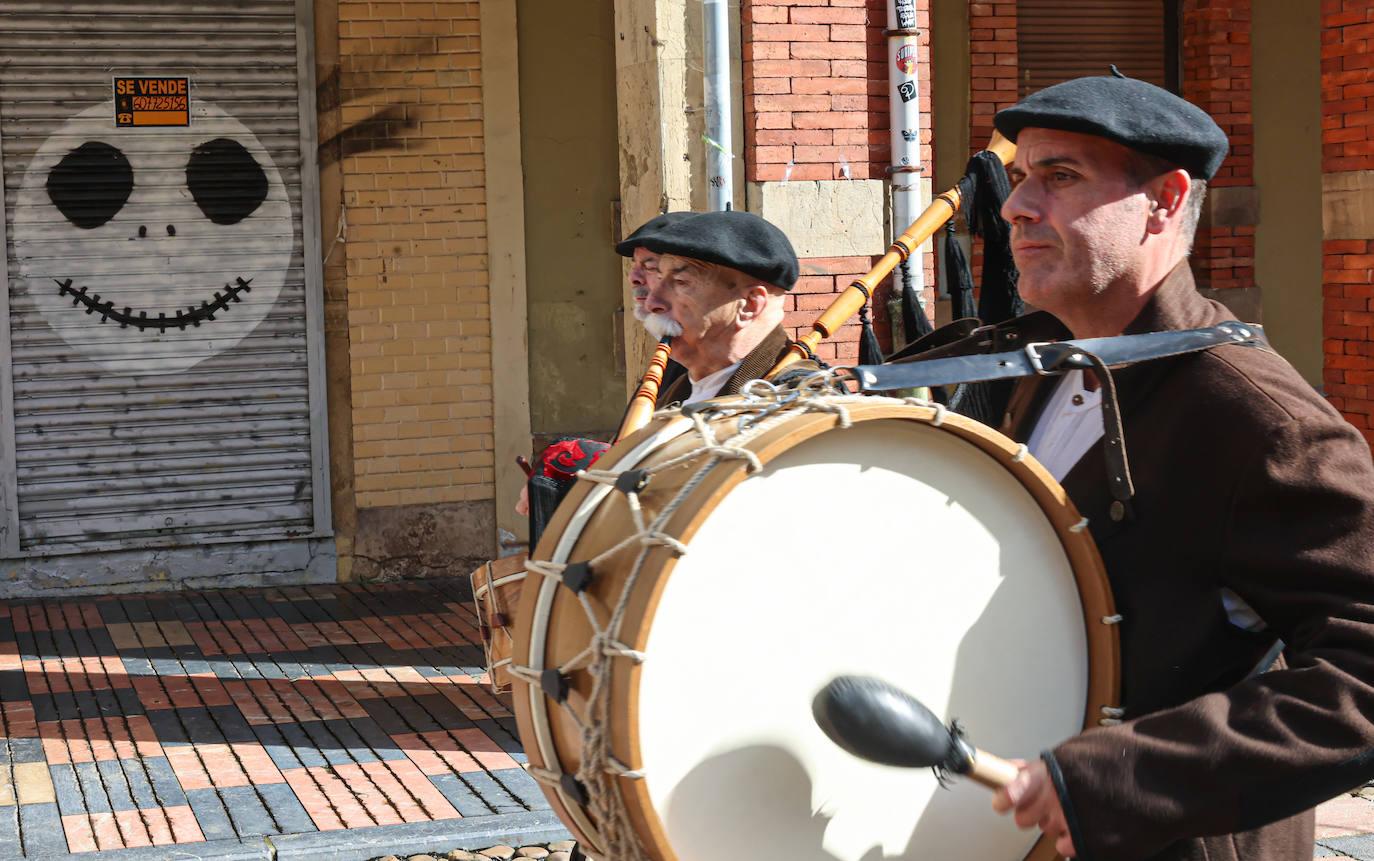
(739, 240)
(1131, 112)
(626, 247)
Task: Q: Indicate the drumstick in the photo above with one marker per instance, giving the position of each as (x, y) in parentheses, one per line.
(525, 465)
(879, 722)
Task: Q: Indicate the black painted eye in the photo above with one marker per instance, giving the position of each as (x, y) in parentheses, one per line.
(90, 184)
(226, 181)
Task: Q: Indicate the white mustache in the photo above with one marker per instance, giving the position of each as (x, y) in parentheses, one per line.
(658, 325)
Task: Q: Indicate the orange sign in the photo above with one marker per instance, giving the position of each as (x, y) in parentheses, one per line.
(152, 101)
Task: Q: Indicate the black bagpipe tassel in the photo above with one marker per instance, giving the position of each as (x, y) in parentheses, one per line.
(914, 320)
(958, 277)
(870, 351)
(984, 189)
(998, 298)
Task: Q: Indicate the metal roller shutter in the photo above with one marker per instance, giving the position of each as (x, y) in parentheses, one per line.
(160, 348)
(1062, 39)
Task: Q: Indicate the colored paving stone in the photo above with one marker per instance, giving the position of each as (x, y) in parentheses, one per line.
(142, 721)
(303, 714)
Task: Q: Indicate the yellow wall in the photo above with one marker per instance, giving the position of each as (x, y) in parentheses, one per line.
(414, 203)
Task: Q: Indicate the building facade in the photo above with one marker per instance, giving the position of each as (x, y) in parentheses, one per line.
(291, 283)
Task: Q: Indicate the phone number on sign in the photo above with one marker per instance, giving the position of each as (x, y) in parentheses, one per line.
(159, 103)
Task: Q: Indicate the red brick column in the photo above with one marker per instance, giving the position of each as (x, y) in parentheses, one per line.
(1348, 264)
(1217, 78)
(815, 85)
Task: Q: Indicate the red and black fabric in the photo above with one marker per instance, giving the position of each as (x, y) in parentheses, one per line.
(553, 475)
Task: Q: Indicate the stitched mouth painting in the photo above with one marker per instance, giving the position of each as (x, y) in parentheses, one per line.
(151, 250)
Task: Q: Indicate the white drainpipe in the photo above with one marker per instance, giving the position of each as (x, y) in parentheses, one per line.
(719, 173)
(905, 120)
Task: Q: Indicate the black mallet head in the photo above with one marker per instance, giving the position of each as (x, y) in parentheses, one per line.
(877, 721)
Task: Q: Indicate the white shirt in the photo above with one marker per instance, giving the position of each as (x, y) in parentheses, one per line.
(1069, 425)
(707, 386)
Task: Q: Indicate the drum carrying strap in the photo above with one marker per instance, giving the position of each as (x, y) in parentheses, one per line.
(1051, 358)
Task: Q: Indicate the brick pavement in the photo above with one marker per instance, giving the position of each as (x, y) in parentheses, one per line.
(337, 721)
(307, 722)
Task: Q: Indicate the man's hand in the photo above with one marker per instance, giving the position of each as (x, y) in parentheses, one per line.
(1034, 802)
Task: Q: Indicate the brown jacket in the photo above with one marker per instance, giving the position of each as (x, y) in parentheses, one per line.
(1245, 479)
(754, 366)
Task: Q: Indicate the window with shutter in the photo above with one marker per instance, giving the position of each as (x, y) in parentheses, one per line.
(1062, 39)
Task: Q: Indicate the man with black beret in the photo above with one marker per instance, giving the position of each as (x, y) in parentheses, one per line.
(1251, 526)
(719, 292)
(644, 269)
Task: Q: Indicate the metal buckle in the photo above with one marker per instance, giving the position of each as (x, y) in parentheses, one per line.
(1048, 358)
(1033, 354)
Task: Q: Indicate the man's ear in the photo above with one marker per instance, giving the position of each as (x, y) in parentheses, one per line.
(1168, 194)
(753, 301)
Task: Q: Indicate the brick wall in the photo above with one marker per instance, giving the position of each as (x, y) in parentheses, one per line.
(816, 108)
(1348, 264)
(418, 320)
(1217, 77)
(992, 67)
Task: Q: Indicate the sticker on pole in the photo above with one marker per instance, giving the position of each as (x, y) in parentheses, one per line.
(152, 101)
(906, 59)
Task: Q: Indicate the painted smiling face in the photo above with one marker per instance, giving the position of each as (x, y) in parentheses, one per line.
(150, 250)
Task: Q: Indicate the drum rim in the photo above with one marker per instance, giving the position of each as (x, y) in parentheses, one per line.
(1097, 604)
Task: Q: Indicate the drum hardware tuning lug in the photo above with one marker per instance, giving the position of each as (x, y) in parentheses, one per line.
(632, 481)
(577, 576)
(554, 685)
(573, 788)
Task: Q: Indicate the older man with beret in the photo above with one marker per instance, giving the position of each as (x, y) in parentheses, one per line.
(1251, 526)
(721, 279)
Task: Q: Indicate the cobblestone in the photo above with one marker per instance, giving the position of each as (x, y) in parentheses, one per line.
(560, 851)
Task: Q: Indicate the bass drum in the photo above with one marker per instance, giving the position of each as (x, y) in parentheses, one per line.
(692, 595)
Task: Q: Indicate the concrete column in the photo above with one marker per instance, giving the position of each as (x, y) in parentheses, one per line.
(506, 252)
(651, 64)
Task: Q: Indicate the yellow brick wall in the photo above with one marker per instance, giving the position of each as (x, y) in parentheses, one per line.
(415, 243)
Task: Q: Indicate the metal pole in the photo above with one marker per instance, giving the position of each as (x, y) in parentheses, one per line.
(904, 176)
(719, 173)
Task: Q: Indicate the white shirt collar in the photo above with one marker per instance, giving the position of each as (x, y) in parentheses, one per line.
(709, 385)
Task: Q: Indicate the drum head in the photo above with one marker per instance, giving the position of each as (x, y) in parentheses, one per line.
(947, 580)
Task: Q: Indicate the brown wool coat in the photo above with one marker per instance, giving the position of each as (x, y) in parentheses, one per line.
(1245, 478)
(754, 366)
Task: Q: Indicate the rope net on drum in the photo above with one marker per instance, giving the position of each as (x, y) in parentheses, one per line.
(765, 407)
